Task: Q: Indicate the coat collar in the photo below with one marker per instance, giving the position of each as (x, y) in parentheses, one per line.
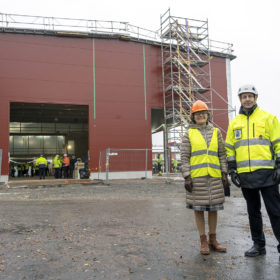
(250, 112)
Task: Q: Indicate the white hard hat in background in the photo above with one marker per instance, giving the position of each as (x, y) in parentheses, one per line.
(65, 155)
(247, 88)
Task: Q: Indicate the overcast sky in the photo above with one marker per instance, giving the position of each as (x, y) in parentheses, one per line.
(252, 26)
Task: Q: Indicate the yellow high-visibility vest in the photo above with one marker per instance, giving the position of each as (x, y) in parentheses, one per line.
(56, 162)
(41, 161)
(204, 160)
(254, 141)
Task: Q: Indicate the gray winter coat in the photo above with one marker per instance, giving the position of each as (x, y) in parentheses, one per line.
(206, 190)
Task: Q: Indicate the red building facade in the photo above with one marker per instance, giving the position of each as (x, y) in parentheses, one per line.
(120, 82)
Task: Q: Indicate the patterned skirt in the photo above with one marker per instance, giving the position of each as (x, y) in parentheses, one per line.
(216, 207)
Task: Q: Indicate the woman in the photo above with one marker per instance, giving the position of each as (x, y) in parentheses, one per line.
(204, 168)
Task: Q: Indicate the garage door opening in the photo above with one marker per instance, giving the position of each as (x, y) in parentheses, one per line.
(47, 129)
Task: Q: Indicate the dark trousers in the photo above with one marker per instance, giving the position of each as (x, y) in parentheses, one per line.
(57, 173)
(271, 198)
(42, 170)
(66, 171)
(71, 171)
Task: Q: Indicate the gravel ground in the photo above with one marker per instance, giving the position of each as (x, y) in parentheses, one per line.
(131, 229)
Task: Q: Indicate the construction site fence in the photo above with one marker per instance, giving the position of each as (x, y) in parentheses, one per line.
(131, 163)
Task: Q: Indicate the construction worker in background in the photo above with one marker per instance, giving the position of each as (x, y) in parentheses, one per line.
(12, 169)
(19, 168)
(253, 154)
(26, 168)
(57, 167)
(66, 165)
(73, 160)
(41, 162)
(36, 170)
(47, 169)
(174, 164)
(29, 170)
(204, 168)
(159, 164)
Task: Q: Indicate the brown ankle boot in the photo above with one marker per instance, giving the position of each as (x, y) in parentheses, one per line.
(214, 243)
(204, 247)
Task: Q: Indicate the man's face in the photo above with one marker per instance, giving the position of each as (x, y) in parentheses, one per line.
(248, 100)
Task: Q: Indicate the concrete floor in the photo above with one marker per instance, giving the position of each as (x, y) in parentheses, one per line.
(136, 229)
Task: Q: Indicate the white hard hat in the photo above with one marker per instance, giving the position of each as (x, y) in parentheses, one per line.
(247, 88)
(57, 155)
(65, 155)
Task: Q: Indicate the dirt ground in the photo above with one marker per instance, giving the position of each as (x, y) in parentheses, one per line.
(131, 229)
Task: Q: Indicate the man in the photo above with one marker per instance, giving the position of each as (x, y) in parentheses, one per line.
(41, 162)
(159, 164)
(57, 166)
(253, 153)
(66, 165)
(175, 164)
(73, 161)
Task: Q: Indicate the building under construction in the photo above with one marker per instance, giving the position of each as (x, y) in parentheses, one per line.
(83, 86)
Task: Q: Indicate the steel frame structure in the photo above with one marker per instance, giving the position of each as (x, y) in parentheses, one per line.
(186, 72)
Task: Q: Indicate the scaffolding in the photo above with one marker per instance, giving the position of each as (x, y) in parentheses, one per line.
(186, 72)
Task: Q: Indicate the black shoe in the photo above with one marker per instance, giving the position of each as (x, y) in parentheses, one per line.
(256, 250)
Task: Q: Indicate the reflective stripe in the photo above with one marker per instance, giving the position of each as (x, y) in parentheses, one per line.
(212, 153)
(277, 154)
(254, 141)
(204, 152)
(275, 141)
(261, 162)
(229, 146)
(203, 165)
(198, 153)
(232, 158)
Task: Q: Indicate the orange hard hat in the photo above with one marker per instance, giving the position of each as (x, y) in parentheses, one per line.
(199, 106)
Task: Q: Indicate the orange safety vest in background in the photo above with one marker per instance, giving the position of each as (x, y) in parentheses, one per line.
(66, 161)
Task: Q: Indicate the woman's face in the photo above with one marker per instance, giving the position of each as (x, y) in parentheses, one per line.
(201, 117)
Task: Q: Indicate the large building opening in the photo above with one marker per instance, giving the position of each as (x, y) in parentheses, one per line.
(48, 129)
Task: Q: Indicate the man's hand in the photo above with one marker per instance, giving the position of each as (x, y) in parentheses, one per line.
(225, 181)
(188, 184)
(235, 179)
(276, 175)
(226, 184)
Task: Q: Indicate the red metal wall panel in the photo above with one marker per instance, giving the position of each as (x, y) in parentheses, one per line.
(42, 69)
(219, 83)
(48, 69)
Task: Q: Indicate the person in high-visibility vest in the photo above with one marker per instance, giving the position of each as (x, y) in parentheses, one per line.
(41, 162)
(57, 166)
(253, 153)
(175, 164)
(159, 164)
(66, 166)
(204, 168)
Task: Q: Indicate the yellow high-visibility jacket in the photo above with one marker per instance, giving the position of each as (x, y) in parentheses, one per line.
(57, 162)
(41, 161)
(253, 141)
(204, 160)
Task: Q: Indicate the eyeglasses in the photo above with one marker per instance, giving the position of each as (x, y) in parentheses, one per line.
(201, 113)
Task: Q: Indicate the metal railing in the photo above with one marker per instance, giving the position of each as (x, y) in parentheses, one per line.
(81, 27)
(70, 25)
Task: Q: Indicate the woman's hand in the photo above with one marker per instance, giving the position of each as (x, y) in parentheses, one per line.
(188, 184)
